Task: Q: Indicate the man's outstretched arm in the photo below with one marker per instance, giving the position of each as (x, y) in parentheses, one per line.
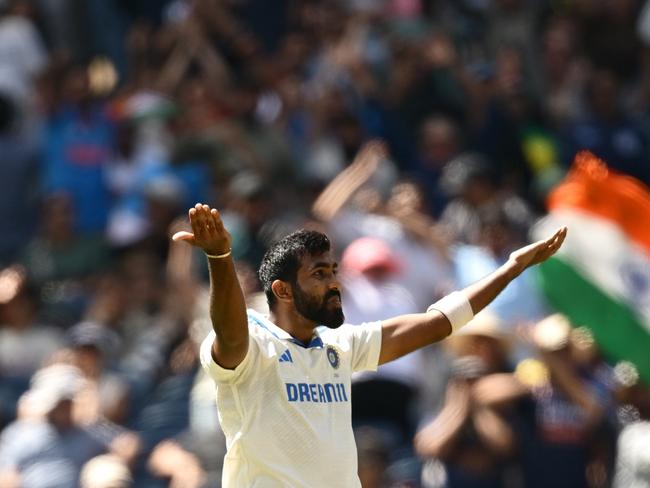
(406, 333)
(227, 305)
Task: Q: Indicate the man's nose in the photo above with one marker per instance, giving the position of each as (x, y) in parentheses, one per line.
(335, 285)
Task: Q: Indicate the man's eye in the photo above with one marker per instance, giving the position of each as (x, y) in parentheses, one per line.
(318, 274)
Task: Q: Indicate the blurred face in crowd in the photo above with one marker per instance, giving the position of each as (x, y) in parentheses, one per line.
(110, 300)
(583, 348)
(58, 218)
(76, 86)
(406, 199)
(498, 237)
(89, 360)
(368, 199)
(142, 280)
(558, 48)
(289, 90)
(254, 209)
(61, 415)
(489, 349)
(317, 291)
(438, 141)
(603, 94)
(478, 190)
(349, 132)
(244, 102)
(294, 51)
(509, 71)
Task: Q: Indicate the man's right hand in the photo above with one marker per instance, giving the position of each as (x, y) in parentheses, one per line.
(227, 304)
(208, 231)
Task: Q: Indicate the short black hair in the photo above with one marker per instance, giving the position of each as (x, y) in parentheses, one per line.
(282, 260)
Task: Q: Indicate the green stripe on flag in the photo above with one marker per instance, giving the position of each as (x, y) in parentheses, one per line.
(617, 330)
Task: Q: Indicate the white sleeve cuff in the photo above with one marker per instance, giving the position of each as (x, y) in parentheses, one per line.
(219, 373)
(456, 308)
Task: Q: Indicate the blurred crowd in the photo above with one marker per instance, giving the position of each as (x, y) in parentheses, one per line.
(117, 116)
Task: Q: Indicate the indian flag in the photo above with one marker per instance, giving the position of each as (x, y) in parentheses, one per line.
(600, 278)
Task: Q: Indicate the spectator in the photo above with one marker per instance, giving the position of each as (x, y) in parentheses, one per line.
(181, 467)
(372, 292)
(502, 229)
(256, 108)
(403, 224)
(374, 455)
(22, 53)
(45, 447)
(472, 438)
(79, 142)
(25, 343)
(566, 421)
(475, 190)
(59, 261)
(607, 130)
(439, 143)
(105, 395)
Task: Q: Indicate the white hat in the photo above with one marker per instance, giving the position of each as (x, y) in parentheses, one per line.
(553, 332)
(484, 324)
(50, 386)
(105, 471)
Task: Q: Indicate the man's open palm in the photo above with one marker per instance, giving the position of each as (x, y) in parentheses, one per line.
(208, 231)
(539, 251)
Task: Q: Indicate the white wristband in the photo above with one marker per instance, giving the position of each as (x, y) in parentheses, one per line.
(456, 308)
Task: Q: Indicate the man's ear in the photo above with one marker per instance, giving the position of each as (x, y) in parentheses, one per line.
(282, 291)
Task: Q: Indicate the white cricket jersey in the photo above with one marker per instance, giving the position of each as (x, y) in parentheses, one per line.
(285, 410)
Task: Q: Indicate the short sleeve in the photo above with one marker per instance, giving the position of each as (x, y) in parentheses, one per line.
(223, 375)
(366, 346)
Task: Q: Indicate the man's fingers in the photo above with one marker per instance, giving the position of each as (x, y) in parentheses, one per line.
(558, 238)
(208, 230)
(554, 243)
(197, 219)
(183, 236)
(206, 220)
(540, 251)
(553, 237)
(216, 221)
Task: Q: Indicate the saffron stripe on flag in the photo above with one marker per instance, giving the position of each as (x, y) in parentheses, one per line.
(592, 187)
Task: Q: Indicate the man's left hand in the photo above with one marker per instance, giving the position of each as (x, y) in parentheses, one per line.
(537, 252)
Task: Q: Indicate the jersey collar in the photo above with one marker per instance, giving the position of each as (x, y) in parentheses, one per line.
(276, 331)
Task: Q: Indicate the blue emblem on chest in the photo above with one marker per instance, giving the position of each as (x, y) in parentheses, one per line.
(333, 357)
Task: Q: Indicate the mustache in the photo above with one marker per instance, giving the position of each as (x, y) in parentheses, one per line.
(333, 294)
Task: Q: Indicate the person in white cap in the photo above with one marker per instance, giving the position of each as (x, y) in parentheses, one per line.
(105, 471)
(45, 448)
(283, 381)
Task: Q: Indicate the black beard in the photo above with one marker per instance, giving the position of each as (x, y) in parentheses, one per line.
(317, 310)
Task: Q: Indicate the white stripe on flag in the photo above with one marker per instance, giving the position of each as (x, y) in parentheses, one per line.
(600, 251)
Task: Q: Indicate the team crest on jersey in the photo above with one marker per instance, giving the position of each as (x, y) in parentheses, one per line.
(333, 356)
